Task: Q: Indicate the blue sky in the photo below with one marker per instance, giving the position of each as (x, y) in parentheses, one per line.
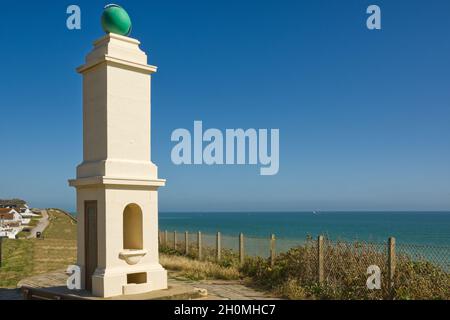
(363, 115)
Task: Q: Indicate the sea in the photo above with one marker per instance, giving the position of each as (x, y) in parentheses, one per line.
(412, 227)
(424, 234)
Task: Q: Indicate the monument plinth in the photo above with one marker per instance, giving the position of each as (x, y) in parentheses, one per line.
(117, 184)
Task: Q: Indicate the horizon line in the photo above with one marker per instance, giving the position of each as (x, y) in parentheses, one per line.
(305, 211)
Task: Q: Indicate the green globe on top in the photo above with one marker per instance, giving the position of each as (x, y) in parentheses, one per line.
(116, 20)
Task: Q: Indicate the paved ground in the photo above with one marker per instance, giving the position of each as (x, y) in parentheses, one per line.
(216, 289)
(42, 224)
(229, 290)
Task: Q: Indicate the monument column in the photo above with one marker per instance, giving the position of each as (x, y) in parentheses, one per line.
(117, 184)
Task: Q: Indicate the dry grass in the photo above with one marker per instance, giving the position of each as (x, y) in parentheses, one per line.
(58, 249)
(290, 289)
(198, 270)
(53, 254)
(61, 226)
(294, 275)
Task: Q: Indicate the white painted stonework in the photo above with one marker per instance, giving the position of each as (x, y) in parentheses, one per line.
(117, 171)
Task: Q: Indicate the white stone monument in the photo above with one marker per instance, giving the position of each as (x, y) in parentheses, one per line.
(117, 184)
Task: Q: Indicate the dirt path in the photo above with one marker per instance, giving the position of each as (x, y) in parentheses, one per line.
(41, 226)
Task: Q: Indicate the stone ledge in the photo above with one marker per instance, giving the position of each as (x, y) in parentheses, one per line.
(51, 286)
(93, 181)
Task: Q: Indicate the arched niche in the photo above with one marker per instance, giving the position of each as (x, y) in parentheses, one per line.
(132, 228)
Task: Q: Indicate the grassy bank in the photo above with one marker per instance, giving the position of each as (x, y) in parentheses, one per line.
(294, 274)
(17, 262)
(26, 257)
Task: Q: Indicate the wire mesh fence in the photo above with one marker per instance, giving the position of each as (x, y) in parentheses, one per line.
(437, 255)
(337, 268)
(345, 265)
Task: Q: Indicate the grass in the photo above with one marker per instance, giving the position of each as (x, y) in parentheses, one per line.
(17, 262)
(198, 270)
(53, 254)
(58, 248)
(33, 222)
(23, 234)
(26, 257)
(61, 226)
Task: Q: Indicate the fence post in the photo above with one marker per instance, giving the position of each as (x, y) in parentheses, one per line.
(391, 262)
(320, 270)
(175, 240)
(241, 248)
(166, 238)
(199, 243)
(186, 243)
(218, 246)
(272, 250)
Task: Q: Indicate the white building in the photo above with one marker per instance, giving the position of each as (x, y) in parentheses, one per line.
(12, 222)
(27, 213)
(9, 216)
(9, 233)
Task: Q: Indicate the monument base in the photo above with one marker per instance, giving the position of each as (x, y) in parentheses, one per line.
(52, 286)
(126, 281)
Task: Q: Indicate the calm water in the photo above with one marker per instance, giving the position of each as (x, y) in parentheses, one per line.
(408, 227)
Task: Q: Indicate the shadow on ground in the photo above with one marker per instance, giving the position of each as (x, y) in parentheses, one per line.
(10, 294)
